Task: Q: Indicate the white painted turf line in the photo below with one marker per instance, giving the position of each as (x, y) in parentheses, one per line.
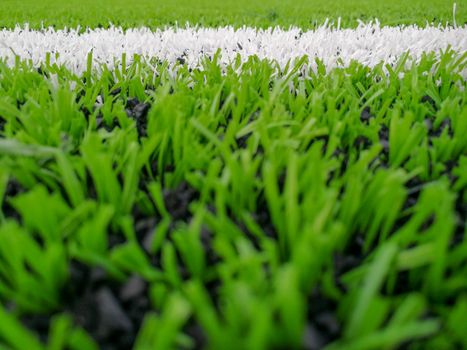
(368, 43)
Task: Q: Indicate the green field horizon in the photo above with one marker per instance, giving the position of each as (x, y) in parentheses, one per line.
(305, 14)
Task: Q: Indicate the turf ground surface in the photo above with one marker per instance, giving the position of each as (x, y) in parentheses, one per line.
(305, 14)
(238, 206)
(246, 209)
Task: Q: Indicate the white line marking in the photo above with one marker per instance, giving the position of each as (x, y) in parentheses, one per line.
(369, 44)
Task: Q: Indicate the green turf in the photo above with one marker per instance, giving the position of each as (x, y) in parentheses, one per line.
(258, 13)
(343, 190)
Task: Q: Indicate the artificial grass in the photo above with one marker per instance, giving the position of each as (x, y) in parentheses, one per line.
(242, 207)
(305, 14)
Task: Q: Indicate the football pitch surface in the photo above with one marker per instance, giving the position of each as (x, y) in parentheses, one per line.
(233, 174)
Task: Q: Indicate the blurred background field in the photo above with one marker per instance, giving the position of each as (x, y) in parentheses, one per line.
(259, 13)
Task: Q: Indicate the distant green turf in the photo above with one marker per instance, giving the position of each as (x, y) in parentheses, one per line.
(260, 13)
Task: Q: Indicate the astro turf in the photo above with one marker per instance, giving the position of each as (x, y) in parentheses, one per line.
(305, 14)
(245, 207)
(188, 198)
